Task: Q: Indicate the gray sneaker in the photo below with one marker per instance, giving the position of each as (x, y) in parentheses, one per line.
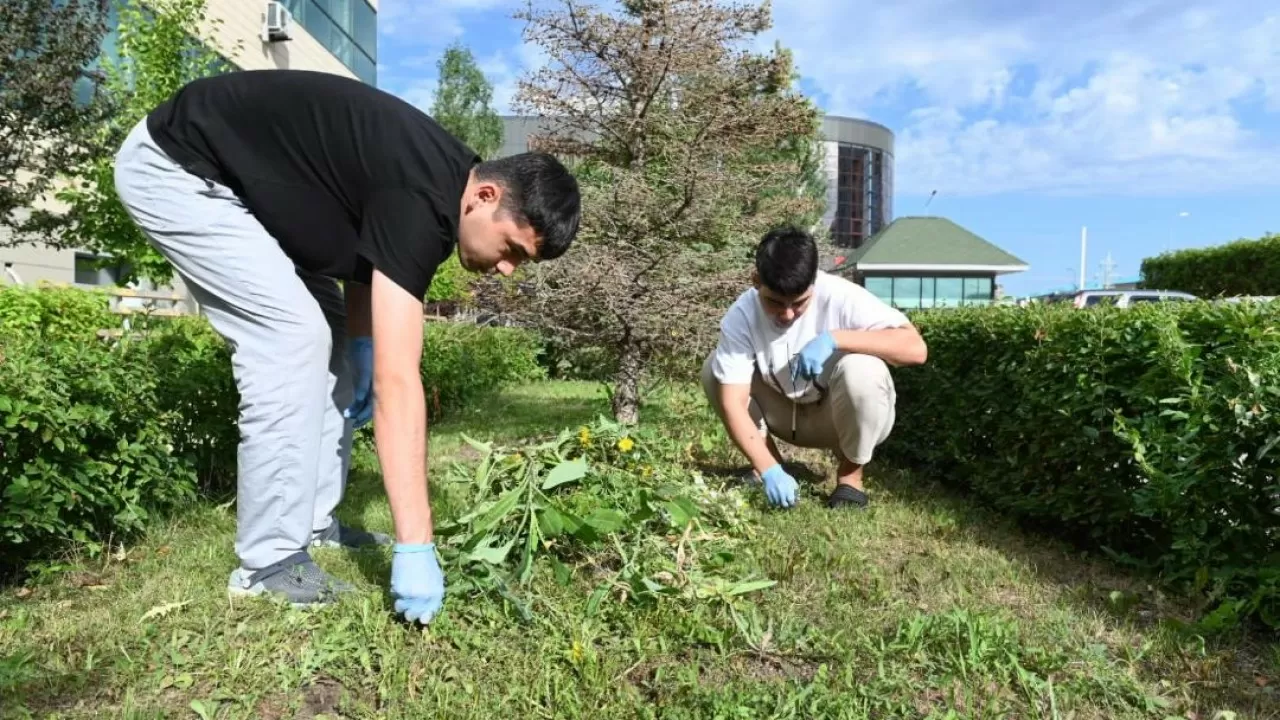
(338, 535)
(296, 578)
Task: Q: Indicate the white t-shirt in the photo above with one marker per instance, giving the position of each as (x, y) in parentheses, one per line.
(748, 336)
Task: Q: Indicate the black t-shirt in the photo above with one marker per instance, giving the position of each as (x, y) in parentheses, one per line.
(346, 177)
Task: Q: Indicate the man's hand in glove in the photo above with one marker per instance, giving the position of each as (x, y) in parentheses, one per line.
(360, 356)
(779, 487)
(813, 356)
(417, 583)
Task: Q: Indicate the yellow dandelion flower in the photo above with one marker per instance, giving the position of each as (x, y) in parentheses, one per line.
(584, 436)
(625, 444)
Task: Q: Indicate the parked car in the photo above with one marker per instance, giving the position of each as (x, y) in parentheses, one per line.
(1127, 298)
(1250, 299)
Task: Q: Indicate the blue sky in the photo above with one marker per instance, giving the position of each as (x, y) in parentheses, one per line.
(1030, 118)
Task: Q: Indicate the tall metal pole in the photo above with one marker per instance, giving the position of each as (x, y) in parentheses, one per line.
(1084, 241)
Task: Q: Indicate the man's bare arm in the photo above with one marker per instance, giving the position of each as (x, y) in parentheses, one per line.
(896, 346)
(400, 413)
(736, 401)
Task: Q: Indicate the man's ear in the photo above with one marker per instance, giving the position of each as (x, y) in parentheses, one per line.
(479, 194)
(755, 278)
(488, 192)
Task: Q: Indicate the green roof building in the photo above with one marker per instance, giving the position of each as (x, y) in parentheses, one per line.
(926, 262)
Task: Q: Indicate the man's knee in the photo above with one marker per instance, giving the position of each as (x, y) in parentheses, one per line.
(862, 376)
(863, 401)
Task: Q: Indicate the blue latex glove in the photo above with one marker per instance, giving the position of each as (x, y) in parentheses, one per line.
(360, 357)
(813, 356)
(779, 487)
(417, 583)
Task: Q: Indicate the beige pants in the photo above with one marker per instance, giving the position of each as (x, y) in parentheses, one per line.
(854, 417)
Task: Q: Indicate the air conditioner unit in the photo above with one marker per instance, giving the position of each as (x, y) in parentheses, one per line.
(277, 24)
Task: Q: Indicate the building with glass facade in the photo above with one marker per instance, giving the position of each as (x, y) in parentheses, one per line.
(928, 262)
(858, 164)
(348, 29)
(337, 36)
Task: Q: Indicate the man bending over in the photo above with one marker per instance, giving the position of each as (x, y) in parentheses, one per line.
(265, 189)
(804, 355)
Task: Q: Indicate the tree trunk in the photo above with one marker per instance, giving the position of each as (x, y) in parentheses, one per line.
(626, 384)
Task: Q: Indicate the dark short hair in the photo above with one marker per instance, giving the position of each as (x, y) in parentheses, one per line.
(539, 191)
(787, 261)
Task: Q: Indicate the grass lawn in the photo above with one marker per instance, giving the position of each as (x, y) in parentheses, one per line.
(923, 606)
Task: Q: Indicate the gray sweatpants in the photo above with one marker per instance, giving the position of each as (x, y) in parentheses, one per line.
(287, 333)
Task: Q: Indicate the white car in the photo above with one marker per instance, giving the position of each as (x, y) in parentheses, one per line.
(1128, 298)
(1250, 299)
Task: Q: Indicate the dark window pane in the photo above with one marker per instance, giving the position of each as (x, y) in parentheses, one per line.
(365, 28)
(340, 11)
(327, 6)
(89, 270)
(366, 69)
(977, 290)
(343, 47)
(331, 37)
(298, 9)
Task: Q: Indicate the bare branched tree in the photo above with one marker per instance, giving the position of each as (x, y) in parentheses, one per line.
(678, 132)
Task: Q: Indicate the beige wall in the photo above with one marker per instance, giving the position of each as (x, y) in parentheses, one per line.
(236, 26)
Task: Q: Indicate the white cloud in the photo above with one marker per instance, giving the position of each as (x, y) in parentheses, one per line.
(420, 31)
(435, 22)
(1131, 96)
(1091, 96)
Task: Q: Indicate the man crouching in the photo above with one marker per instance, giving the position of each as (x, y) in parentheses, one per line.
(804, 355)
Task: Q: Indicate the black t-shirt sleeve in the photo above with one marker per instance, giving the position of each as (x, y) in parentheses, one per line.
(401, 235)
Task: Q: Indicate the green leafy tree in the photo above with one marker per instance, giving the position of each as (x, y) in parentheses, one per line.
(463, 102)
(46, 49)
(463, 106)
(678, 134)
(162, 46)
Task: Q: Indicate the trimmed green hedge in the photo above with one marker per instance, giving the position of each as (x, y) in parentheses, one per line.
(87, 448)
(54, 311)
(1242, 267)
(1150, 433)
(98, 435)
